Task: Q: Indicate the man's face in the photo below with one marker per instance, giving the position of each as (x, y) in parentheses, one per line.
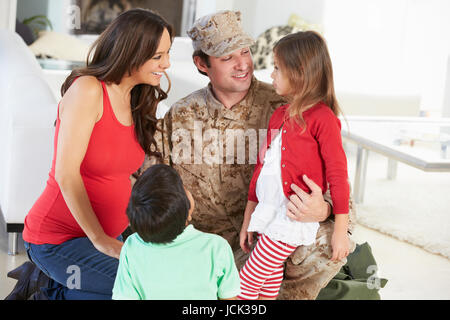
(231, 73)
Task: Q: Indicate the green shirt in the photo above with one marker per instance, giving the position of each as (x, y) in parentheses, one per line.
(195, 266)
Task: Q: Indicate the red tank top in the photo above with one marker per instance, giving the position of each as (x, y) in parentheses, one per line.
(113, 154)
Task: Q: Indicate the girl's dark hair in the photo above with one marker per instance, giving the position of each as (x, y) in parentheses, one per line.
(126, 44)
(304, 57)
(158, 207)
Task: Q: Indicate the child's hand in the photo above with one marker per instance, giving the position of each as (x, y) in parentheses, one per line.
(245, 240)
(340, 245)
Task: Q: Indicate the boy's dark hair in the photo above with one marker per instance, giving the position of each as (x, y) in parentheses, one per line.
(158, 207)
(204, 57)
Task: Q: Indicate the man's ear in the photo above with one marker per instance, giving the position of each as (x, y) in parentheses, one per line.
(200, 64)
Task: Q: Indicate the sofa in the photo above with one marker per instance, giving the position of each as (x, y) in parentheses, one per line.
(27, 113)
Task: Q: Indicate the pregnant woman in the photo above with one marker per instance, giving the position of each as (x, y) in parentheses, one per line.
(105, 126)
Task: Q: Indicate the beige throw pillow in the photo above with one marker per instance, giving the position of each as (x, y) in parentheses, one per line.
(57, 45)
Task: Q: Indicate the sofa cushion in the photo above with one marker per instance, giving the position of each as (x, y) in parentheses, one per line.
(262, 49)
(59, 46)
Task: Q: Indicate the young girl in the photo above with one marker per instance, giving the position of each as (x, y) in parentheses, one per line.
(303, 138)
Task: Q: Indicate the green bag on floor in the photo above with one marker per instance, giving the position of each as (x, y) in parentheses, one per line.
(357, 280)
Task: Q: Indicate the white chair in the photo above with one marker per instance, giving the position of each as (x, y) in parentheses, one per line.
(27, 114)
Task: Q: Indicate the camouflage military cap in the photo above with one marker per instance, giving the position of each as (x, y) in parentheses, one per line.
(219, 34)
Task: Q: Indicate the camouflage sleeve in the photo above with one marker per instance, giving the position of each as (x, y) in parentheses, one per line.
(276, 104)
(162, 138)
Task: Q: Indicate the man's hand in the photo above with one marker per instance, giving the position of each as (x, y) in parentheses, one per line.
(306, 207)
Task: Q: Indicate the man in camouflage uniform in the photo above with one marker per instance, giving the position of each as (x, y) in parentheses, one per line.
(200, 130)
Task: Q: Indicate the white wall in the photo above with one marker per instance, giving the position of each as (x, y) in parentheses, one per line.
(8, 14)
(390, 47)
(260, 15)
(29, 8)
(380, 47)
(58, 14)
(54, 10)
(205, 7)
(446, 104)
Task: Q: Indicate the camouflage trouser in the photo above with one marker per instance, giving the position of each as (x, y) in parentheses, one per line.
(309, 268)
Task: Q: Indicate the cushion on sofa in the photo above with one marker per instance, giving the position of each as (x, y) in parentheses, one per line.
(262, 49)
(57, 45)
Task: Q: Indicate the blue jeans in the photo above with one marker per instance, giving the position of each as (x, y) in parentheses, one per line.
(78, 271)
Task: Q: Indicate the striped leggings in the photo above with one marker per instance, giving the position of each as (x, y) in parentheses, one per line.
(262, 274)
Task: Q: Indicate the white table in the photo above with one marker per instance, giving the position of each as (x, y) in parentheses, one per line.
(419, 142)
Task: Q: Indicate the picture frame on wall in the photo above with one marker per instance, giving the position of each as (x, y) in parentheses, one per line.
(97, 14)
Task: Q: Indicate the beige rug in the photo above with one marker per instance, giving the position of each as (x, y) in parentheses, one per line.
(415, 207)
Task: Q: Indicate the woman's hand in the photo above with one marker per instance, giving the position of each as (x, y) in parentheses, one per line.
(340, 245)
(109, 246)
(306, 207)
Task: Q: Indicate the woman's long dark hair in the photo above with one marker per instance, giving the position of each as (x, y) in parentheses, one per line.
(126, 44)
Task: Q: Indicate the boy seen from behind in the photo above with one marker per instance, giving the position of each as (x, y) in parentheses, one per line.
(167, 258)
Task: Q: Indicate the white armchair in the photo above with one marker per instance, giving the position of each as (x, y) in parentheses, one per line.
(27, 114)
